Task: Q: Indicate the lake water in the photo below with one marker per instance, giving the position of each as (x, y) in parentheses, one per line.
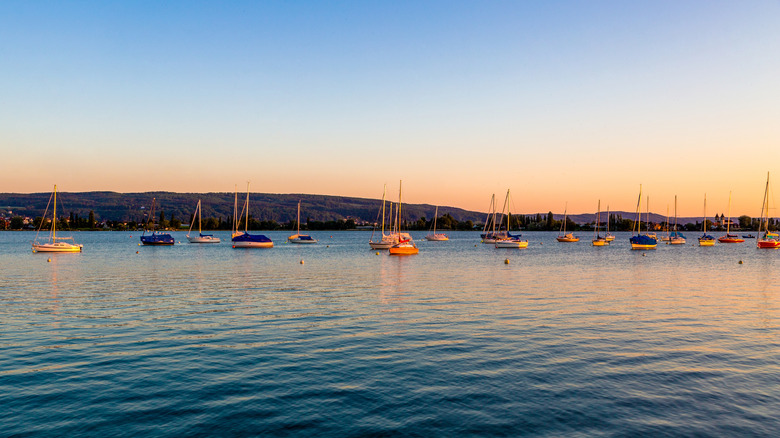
(564, 340)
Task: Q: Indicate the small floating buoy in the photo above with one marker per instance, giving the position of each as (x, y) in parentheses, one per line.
(49, 259)
(327, 246)
(301, 261)
(506, 261)
(740, 262)
(475, 246)
(139, 244)
(644, 255)
(331, 237)
(136, 252)
(540, 243)
(377, 253)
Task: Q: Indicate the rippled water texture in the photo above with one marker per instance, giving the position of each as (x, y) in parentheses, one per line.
(564, 340)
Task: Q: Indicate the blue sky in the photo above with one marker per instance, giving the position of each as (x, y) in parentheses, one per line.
(560, 101)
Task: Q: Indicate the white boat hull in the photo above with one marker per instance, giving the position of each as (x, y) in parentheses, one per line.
(512, 244)
(302, 241)
(253, 244)
(437, 237)
(203, 239)
(56, 247)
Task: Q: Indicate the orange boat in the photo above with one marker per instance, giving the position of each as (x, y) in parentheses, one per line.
(405, 246)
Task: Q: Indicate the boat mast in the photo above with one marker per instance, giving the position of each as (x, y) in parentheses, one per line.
(728, 223)
(598, 219)
(705, 214)
(607, 232)
(54, 219)
(200, 228)
(398, 210)
(563, 225)
(235, 212)
(384, 192)
(675, 215)
(435, 215)
(638, 222)
(246, 224)
(647, 215)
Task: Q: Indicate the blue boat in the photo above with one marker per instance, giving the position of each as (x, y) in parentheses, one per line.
(242, 239)
(155, 238)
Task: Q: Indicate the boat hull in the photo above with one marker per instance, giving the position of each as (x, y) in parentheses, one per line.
(56, 247)
(203, 239)
(642, 246)
(567, 239)
(302, 239)
(706, 242)
(158, 239)
(437, 237)
(643, 242)
(380, 245)
(404, 250)
(600, 242)
(246, 240)
(769, 244)
(519, 244)
(676, 241)
(730, 240)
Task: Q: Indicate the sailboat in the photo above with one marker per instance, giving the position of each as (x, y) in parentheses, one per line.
(200, 238)
(507, 240)
(769, 239)
(155, 239)
(405, 245)
(667, 227)
(298, 237)
(676, 237)
(641, 241)
(649, 233)
(706, 239)
(597, 239)
(489, 234)
(55, 244)
(730, 238)
(563, 236)
(434, 236)
(386, 240)
(608, 236)
(242, 239)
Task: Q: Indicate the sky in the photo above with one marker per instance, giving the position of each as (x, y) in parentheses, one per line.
(565, 103)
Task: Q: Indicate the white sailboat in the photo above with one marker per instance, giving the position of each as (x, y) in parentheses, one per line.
(676, 237)
(706, 239)
(298, 237)
(770, 240)
(386, 240)
(434, 236)
(730, 238)
(563, 236)
(405, 245)
(200, 238)
(507, 240)
(55, 244)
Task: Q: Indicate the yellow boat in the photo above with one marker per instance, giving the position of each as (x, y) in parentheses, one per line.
(405, 246)
(641, 241)
(597, 239)
(564, 236)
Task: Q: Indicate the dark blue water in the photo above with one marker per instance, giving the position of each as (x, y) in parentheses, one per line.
(564, 340)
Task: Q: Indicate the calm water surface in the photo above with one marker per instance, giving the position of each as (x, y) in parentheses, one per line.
(564, 340)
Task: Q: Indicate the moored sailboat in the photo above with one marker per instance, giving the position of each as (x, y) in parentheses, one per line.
(436, 237)
(675, 237)
(405, 245)
(386, 240)
(155, 238)
(242, 239)
(730, 238)
(507, 240)
(298, 237)
(563, 236)
(769, 240)
(55, 244)
(597, 239)
(200, 238)
(705, 239)
(641, 241)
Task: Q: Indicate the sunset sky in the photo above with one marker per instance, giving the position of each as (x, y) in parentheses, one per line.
(569, 101)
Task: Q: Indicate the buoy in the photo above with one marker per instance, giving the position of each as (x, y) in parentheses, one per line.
(740, 262)
(540, 243)
(644, 255)
(377, 253)
(136, 252)
(475, 246)
(48, 260)
(301, 261)
(327, 246)
(139, 244)
(506, 261)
